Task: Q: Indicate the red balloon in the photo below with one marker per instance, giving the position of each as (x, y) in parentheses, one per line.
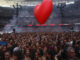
(43, 11)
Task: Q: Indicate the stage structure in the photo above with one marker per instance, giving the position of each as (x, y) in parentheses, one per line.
(62, 14)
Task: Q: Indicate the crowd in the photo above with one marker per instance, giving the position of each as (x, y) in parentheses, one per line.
(40, 46)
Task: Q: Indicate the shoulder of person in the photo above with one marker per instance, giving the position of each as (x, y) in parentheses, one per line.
(27, 58)
(42, 58)
(11, 58)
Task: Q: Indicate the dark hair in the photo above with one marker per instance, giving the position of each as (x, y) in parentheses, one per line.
(50, 52)
(41, 52)
(18, 54)
(78, 42)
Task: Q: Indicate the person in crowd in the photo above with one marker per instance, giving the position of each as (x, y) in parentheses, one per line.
(40, 46)
(7, 55)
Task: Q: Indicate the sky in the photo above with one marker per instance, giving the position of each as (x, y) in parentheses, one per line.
(9, 3)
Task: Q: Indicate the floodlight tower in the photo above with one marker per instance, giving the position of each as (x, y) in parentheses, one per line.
(61, 7)
(17, 9)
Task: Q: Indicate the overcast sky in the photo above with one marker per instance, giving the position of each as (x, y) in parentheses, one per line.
(8, 3)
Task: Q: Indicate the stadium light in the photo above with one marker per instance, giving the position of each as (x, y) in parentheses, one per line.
(70, 3)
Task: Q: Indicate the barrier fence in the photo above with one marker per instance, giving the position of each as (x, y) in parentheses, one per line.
(38, 25)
